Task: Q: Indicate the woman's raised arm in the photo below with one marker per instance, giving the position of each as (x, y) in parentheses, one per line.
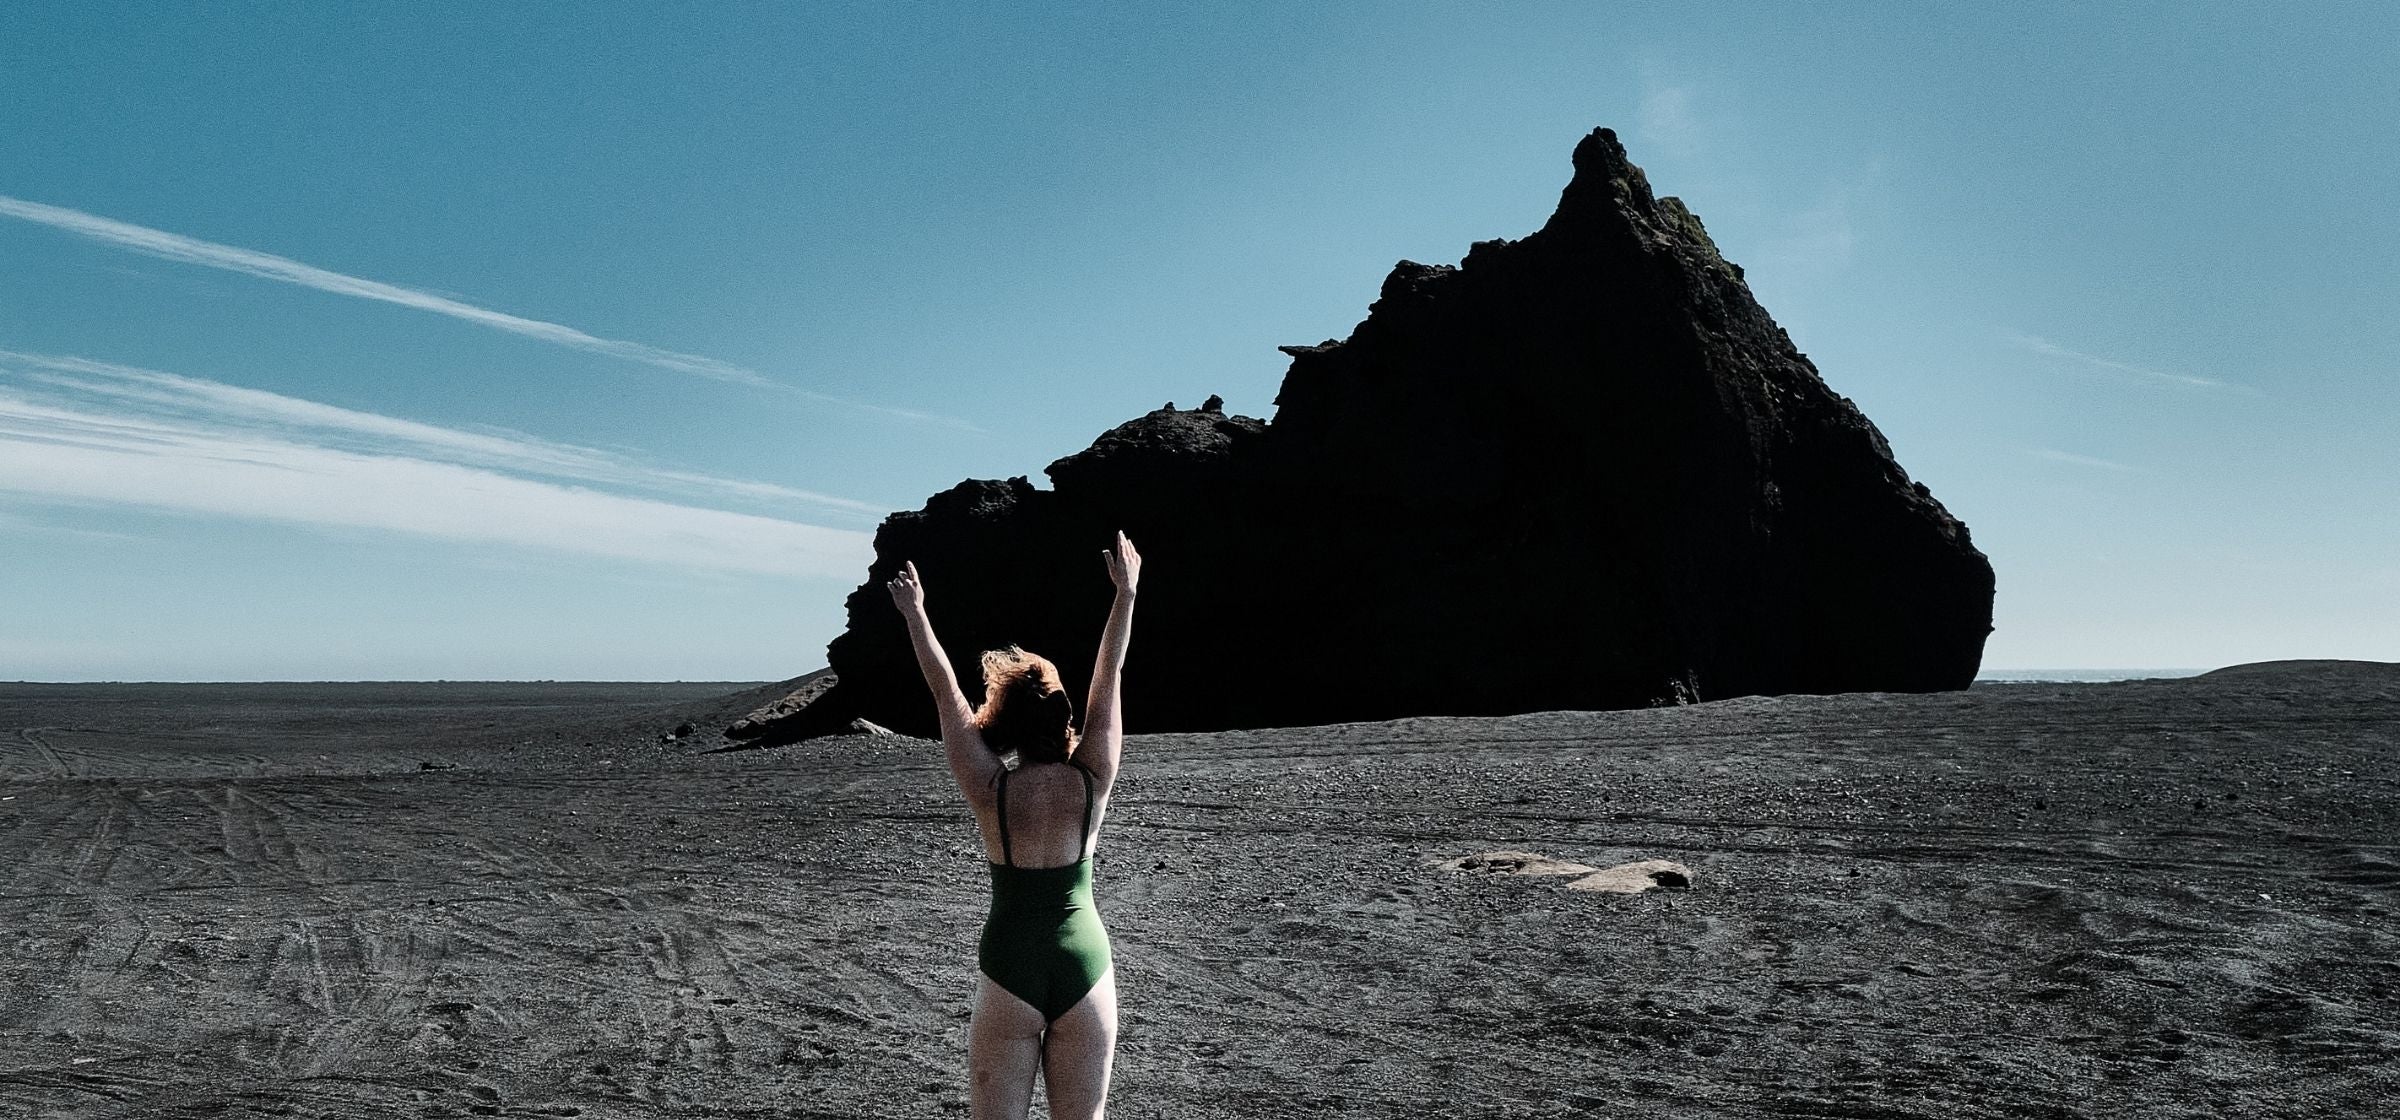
(969, 761)
(1103, 716)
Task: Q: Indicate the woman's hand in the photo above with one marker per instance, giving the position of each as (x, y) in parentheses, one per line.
(908, 592)
(1124, 566)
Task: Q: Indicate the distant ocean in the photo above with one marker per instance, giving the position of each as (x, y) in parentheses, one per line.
(2078, 676)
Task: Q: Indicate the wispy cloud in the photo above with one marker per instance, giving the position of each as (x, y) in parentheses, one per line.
(76, 430)
(2049, 349)
(1819, 239)
(250, 262)
(176, 395)
(1665, 118)
(1823, 236)
(2057, 456)
(267, 266)
(1695, 121)
(18, 523)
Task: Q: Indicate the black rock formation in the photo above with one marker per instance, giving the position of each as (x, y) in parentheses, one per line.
(1581, 470)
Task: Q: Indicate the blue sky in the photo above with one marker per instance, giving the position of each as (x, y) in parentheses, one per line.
(548, 341)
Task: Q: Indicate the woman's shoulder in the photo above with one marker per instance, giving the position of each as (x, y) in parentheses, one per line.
(972, 762)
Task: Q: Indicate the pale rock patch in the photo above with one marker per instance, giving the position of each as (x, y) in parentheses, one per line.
(1636, 877)
(1515, 863)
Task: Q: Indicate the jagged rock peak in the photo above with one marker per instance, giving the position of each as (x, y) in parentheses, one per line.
(1581, 469)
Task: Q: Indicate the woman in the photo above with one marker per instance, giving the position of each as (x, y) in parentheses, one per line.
(1048, 1000)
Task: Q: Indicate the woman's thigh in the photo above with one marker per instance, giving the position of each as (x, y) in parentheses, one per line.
(1004, 1051)
(1081, 1050)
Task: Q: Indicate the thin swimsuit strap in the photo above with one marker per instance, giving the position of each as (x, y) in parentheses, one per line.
(1081, 843)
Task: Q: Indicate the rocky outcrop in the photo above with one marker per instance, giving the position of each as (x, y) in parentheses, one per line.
(787, 703)
(1579, 470)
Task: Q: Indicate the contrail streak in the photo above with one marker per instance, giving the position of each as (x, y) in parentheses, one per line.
(2050, 349)
(267, 266)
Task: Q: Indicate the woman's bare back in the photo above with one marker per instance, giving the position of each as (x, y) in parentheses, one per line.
(1046, 826)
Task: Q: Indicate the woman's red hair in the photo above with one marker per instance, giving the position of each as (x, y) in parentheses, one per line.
(1025, 707)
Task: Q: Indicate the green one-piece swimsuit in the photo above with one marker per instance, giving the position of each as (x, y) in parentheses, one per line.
(1043, 940)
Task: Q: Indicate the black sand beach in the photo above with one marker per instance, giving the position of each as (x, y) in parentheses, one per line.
(2140, 899)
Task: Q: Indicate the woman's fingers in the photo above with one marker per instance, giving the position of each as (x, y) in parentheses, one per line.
(1123, 561)
(904, 586)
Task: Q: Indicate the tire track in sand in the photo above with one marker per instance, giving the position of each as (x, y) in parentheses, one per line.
(52, 761)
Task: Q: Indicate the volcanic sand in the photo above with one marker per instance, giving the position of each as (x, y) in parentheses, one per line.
(2142, 899)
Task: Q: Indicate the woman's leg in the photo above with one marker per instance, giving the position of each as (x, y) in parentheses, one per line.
(1082, 1048)
(1004, 1049)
